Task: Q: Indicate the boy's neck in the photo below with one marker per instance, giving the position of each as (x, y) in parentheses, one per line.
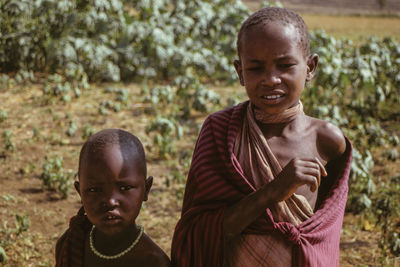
(112, 244)
(281, 129)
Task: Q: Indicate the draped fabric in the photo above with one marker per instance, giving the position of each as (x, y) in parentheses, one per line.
(260, 167)
(70, 247)
(216, 181)
(286, 116)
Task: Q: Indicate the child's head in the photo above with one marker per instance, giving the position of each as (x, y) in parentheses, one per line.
(281, 16)
(112, 180)
(274, 61)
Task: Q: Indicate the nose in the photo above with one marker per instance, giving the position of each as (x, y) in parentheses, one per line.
(110, 201)
(272, 78)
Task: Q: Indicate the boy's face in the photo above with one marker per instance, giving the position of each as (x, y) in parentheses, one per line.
(111, 190)
(272, 66)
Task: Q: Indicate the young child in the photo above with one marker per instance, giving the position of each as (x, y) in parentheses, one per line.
(112, 185)
(254, 194)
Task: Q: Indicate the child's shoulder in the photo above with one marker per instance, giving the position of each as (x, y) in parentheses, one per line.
(330, 139)
(229, 111)
(152, 253)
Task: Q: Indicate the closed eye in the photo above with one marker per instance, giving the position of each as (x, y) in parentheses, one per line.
(286, 66)
(254, 69)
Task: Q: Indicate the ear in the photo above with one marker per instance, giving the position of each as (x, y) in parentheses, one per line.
(238, 68)
(148, 183)
(76, 185)
(312, 63)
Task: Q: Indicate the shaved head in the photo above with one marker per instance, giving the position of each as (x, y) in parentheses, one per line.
(130, 147)
(280, 15)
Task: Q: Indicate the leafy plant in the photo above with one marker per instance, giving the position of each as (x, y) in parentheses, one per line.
(87, 131)
(3, 256)
(22, 223)
(166, 132)
(114, 39)
(3, 115)
(8, 142)
(71, 129)
(55, 178)
(121, 100)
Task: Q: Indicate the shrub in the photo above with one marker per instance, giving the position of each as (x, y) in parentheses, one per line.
(54, 177)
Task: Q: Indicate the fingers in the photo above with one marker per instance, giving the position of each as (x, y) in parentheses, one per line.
(312, 169)
(321, 167)
(311, 163)
(312, 182)
(300, 171)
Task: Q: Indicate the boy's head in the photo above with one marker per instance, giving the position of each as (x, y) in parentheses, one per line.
(278, 15)
(274, 64)
(112, 180)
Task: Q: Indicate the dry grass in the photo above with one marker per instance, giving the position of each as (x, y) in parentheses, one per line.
(355, 27)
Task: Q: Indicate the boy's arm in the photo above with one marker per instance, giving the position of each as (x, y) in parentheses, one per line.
(296, 173)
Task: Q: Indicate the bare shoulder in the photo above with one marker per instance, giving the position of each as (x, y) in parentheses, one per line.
(152, 253)
(330, 139)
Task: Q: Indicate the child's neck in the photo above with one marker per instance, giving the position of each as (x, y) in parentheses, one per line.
(271, 130)
(112, 244)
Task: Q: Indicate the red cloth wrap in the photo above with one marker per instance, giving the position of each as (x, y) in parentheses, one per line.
(70, 247)
(216, 181)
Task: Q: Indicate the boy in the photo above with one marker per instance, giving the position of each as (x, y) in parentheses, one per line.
(112, 185)
(254, 195)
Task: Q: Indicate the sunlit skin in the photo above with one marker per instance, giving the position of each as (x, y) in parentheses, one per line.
(274, 69)
(112, 192)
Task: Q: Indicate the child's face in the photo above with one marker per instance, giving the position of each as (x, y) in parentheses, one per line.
(112, 191)
(273, 68)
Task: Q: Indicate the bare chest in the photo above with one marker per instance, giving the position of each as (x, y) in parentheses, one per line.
(298, 146)
(90, 259)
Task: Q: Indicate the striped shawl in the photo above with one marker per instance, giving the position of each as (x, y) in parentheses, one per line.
(216, 181)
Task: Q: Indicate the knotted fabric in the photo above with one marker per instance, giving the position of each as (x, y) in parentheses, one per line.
(216, 181)
(260, 166)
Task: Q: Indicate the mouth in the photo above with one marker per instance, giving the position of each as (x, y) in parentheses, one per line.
(112, 218)
(272, 97)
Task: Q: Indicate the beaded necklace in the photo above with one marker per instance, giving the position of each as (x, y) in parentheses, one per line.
(107, 257)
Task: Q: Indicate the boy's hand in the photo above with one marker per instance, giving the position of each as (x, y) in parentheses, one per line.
(297, 173)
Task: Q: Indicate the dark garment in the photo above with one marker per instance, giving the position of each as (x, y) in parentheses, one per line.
(70, 248)
(216, 181)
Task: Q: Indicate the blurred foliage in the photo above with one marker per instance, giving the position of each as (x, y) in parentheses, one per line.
(357, 87)
(8, 141)
(113, 40)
